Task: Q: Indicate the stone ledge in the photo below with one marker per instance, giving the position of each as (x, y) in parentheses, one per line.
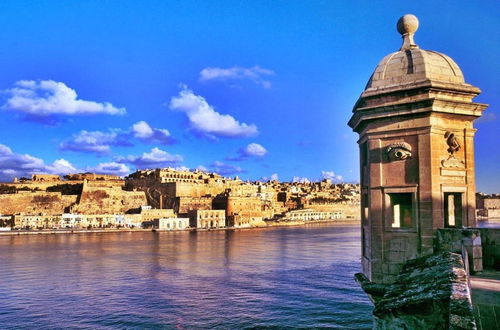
(431, 292)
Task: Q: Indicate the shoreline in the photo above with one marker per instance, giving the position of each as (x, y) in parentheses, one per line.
(339, 222)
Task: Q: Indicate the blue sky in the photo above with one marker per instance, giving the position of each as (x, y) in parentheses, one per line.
(247, 88)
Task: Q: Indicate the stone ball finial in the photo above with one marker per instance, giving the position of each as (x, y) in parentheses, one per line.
(407, 24)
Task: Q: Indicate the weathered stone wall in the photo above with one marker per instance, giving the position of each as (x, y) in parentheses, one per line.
(35, 203)
(40, 185)
(490, 238)
(493, 213)
(430, 293)
(45, 177)
(182, 205)
(106, 183)
(92, 176)
(453, 239)
(94, 200)
(492, 203)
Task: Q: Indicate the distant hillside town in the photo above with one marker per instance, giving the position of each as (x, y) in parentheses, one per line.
(168, 199)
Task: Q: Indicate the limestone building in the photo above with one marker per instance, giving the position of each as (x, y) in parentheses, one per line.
(171, 223)
(207, 219)
(243, 211)
(416, 142)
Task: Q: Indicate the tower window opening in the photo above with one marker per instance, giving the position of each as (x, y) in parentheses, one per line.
(402, 210)
(452, 209)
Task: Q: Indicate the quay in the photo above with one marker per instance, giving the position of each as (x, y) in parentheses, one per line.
(269, 224)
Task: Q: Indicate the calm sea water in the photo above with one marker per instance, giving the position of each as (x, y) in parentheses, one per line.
(295, 277)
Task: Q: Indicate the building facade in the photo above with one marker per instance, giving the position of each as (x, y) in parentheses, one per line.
(171, 223)
(207, 219)
(308, 215)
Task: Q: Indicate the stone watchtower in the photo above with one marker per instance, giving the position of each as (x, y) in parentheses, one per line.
(416, 141)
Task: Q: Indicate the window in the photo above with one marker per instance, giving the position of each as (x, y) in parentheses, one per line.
(452, 209)
(365, 209)
(364, 155)
(402, 210)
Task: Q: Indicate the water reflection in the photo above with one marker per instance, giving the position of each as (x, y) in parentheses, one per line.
(285, 277)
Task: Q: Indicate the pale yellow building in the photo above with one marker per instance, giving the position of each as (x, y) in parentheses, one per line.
(207, 218)
(308, 215)
(171, 223)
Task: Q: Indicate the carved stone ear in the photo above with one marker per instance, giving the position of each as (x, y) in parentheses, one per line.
(399, 151)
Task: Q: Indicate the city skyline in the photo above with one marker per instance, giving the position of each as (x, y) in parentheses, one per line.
(256, 90)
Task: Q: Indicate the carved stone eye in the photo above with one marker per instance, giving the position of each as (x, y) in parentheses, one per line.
(399, 151)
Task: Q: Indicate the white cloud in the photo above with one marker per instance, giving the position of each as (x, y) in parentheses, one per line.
(273, 177)
(251, 150)
(204, 119)
(4, 150)
(155, 158)
(17, 165)
(101, 142)
(143, 131)
(331, 176)
(112, 168)
(254, 74)
(255, 149)
(62, 167)
(202, 168)
(48, 97)
(225, 169)
(299, 179)
(94, 142)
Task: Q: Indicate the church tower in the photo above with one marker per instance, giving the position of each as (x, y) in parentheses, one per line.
(416, 142)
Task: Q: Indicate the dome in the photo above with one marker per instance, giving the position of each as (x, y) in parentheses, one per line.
(412, 83)
(411, 64)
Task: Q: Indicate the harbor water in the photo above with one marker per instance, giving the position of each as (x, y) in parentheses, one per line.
(287, 277)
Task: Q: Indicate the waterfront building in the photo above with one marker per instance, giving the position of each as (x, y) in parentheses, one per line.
(69, 220)
(171, 223)
(6, 221)
(243, 211)
(38, 221)
(416, 144)
(149, 214)
(488, 206)
(308, 215)
(207, 219)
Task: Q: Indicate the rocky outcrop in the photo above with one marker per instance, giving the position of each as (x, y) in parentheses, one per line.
(431, 292)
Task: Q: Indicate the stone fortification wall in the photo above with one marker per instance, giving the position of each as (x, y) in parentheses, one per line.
(189, 189)
(454, 239)
(183, 205)
(40, 185)
(36, 203)
(492, 203)
(106, 183)
(488, 205)
(45, 177)
(490, 239)
(94, 200)
(92, 176)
